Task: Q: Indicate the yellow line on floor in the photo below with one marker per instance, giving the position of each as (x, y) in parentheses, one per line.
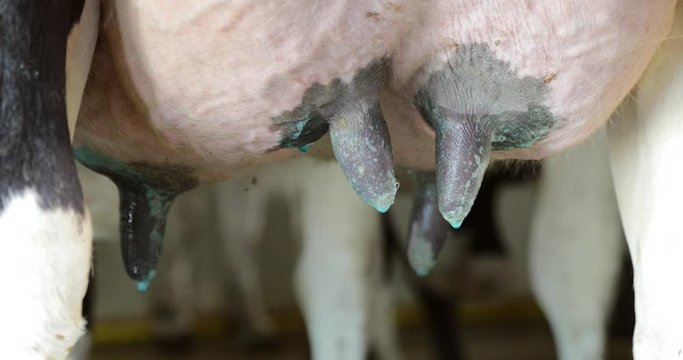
(522, 310)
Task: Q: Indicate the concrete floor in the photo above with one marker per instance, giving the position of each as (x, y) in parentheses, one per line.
(519, 342)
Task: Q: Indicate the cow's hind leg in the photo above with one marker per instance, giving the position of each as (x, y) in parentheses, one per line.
(337, 265)
(576, 248)
(45, 235)
(646, 152)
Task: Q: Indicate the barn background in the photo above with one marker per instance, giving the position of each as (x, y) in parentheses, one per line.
(498, 316)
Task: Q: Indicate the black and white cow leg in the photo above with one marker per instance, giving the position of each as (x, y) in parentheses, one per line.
(337, 275)
(576, 248)
(82, 348)
(45, 235)
(646, 149)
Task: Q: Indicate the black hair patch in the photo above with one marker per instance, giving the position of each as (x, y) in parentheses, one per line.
(35, 148)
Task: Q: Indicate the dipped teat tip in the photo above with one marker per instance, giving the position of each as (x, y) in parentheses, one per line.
(454, 218)
(143, 285)
(454, 211)
(305, 148)
(382, 201)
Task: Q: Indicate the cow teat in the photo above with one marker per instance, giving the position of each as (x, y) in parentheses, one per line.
(358, 132)
(428, 230)
(146, 193)
(477, 104)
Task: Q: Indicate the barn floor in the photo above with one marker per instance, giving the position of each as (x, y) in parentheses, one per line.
(489, 342)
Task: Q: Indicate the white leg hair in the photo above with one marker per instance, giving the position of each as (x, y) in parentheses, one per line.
(45, 259)
(337, 266)
(646, 152)
(576, 248)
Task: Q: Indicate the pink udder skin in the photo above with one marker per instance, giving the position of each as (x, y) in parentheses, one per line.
(211, 75)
